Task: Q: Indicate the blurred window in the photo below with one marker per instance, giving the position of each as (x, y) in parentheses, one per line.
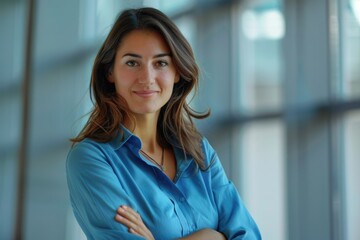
(262, 29)
(352, 176)
(12, 30)
(263, 176)
(351, 49)
(262, 145)
(350, 38)
(170, 7)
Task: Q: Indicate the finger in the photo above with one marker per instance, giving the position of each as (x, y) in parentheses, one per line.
(126, 222)
(144, 233)
(138, 232)
(129, 213)
(137, 228)
(133, 221)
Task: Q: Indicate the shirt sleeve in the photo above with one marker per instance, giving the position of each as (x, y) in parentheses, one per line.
(235, 222)
(95, 193)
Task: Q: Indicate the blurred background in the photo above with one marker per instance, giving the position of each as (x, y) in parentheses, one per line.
(282, 79)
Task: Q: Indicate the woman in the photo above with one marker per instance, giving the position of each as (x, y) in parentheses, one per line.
(139, 169)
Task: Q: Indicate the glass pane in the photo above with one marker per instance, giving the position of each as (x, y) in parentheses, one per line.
(352, 176)
(12, 29)
(351, 49)
(187, 27)
(170, 7)
(8, 188)
(263, 176)
(262, 29)
(97, 17)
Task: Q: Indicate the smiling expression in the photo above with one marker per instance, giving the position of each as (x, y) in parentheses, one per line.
(144, 73)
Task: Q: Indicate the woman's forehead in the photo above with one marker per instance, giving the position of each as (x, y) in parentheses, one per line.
(143, 41)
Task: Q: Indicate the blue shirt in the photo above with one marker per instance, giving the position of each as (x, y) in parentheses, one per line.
(103, 176)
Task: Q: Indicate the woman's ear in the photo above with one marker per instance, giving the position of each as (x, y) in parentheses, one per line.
(110, 77)
(177, 78)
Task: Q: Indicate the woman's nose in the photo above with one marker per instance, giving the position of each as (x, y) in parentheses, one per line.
(147, 75)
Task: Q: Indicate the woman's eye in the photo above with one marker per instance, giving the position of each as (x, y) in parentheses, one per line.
(131, 63)
(161, 64)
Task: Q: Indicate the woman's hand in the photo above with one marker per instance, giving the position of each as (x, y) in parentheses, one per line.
(132, 220)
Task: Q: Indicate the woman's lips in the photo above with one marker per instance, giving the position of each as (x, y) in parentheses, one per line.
(146, 93)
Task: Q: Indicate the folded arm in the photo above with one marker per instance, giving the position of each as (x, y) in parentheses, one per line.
(132, 220)
(235, 222)
(95, 193)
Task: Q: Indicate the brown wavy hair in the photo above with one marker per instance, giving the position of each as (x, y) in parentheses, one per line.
(175, 123)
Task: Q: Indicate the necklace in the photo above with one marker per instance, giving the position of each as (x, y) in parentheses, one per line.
(161, 166)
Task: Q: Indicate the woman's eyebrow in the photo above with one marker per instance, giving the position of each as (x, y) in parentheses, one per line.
(132, 55)
(162, 55)
(139, 56)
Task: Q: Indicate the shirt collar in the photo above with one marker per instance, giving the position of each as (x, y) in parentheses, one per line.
(126, 136)
(123, 136)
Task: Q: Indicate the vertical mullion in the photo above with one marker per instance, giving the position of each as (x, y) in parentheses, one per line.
(309, 152)
(235, 105)
(336, 121)
(23, 151)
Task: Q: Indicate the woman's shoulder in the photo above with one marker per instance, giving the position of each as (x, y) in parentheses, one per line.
(210, 155)
(206, 146)
(86, 150)
(87, 145)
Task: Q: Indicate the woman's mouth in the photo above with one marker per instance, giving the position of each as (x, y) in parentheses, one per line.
(146, 93)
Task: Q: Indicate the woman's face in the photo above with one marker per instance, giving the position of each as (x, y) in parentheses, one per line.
(144, 73)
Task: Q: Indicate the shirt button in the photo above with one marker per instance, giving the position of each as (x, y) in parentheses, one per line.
(182, 199)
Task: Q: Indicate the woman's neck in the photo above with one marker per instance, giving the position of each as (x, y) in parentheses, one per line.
(146, 130)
